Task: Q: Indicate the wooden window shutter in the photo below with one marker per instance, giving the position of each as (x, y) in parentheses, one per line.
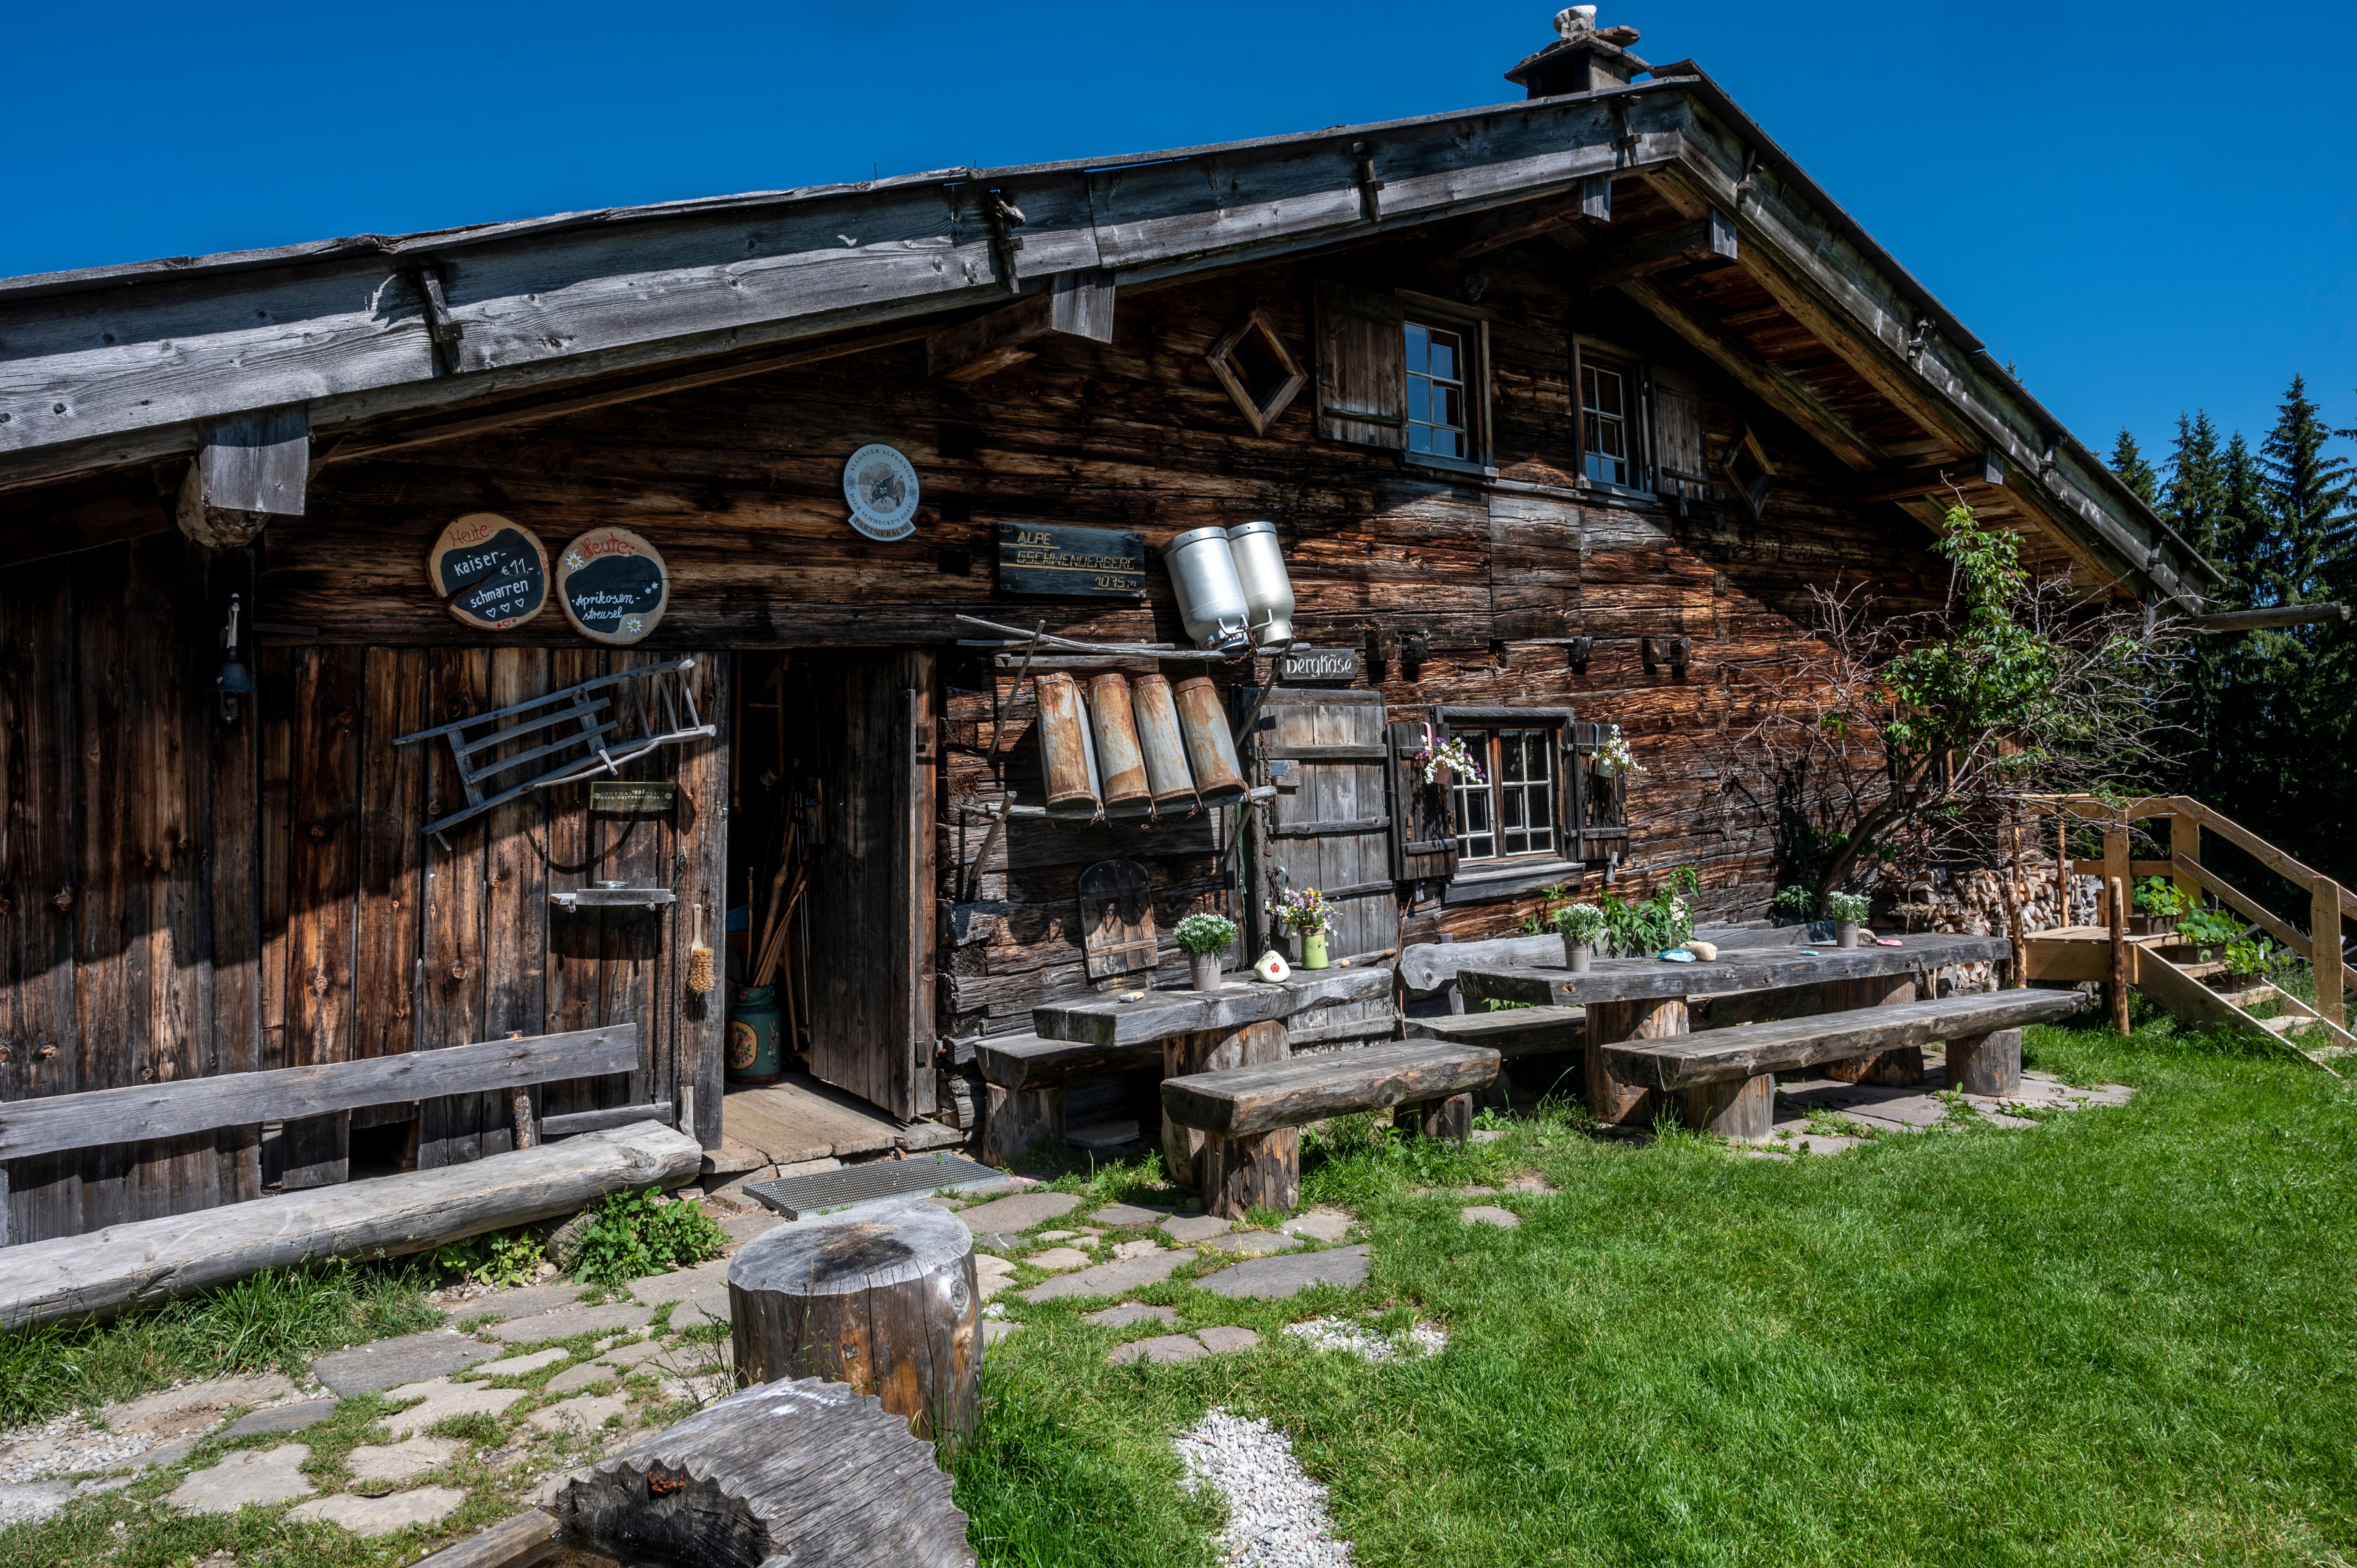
(1578, 418)
(1423, 816)
(1597, 804)
(1681, 448)
(1361, 368)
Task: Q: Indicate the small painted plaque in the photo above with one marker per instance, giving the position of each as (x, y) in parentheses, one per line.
(491, 573)
(613, 585)
(882, 487)
(1050, 558)
(632, 798)
(1319, 666)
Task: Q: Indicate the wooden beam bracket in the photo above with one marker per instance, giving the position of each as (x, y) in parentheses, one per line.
(1370, 202)
(247, 470)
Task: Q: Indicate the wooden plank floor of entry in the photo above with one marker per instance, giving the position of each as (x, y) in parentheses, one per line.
(798, 1118)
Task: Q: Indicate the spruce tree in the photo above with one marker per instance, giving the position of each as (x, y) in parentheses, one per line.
(2128, 462)
(2309, 486)
(2194, 499)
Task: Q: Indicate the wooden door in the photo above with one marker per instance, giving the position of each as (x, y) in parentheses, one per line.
(869, 746)
(1329, 824)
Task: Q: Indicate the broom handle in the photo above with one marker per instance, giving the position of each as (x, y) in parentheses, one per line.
(775, 945)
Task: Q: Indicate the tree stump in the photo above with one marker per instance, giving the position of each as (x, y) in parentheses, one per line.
(1897, 1068)
(1740, 1110)
(1014, 1117)
(1210, 1050)
(1237, 1173)
(1654, 1018)
(1451, 1117)
(1986, 1064)
(809, 1472)
(886, 1303)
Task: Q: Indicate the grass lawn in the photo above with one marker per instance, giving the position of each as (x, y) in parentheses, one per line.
(2123, 1336)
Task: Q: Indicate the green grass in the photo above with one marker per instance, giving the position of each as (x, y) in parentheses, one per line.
(280, 1317)
(2122, 1336)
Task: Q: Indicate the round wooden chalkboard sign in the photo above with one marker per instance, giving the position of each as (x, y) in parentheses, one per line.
(613, 585)
(492, 572)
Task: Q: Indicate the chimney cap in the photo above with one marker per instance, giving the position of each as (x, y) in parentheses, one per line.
(1583, 57)
(1574, 21)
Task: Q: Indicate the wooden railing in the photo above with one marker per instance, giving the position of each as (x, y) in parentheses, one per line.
(2188, 819)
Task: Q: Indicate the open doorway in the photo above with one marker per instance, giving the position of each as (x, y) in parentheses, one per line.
(831, 865)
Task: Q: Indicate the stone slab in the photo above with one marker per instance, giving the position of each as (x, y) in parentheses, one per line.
(1537, 1186)
(1160, 1350)
(409, 1359)
(1113, 1278)
(588, 1374)
(1120, 1215)
(382, 1516)
(250, 1475)
(743, 1228)
(442, 1400)
(1058, 1259)
(1018, 1213)
(1289, 1273)
(630, 1355)
(1190, 1228)
(1249, 1243)
(1490, 1214)
(517, 1303)
(517, 1366)
(611, 1318)
(394, 1462)
(198, 1407)
(1130, 1312)
(1145, 1247)
(1223, 1340)
(1320, 1224)
(587, 1414)
(1816, 1142)
(280, 1418)
(1913, 1112)
(706, 1283)
(997, 1329)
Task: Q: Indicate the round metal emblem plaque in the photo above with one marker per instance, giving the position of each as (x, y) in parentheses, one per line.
(881, 486)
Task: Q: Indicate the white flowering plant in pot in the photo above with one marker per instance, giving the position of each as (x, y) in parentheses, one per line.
(1614, 759)
(1580, 924)
(1447, 757)
(1847, 911)
(1203, 937)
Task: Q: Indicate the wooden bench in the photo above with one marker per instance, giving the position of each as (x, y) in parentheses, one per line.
(1026, 1076)
(1724, 1080)
(1250, 1117)
(1511, 1032)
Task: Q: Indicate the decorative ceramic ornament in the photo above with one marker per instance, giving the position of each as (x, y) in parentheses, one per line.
(493, 573)
(613, 584)
(1706, 952)
(882, 487)
(1272, 967)
(1676, 955)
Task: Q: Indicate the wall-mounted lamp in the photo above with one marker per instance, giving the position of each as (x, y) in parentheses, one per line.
(233, 682)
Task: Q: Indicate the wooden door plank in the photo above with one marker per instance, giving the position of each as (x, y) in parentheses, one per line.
(451, 1002)
(391, 854)
(323, 882)
(37, 802)
(700, 834)
(917, 767)
(109, 1030)
(631, 938)
(573, 941)
(515, 923)
(233, 869)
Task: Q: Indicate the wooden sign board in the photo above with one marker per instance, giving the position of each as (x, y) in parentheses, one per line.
(632, 798)
(492, 572)
(1051, 558)
(613, 585)
(1319, 666)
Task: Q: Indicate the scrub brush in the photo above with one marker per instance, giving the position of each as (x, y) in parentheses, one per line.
(699, 958)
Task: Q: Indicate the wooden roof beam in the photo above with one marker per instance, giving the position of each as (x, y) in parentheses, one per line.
(248, 470)
(1757, 376)
(1709, 238)
(1077, 305)
(1973, 475)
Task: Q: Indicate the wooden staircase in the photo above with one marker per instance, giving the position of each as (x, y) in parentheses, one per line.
(2197, 991)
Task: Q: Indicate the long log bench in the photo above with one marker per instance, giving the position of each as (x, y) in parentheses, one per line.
(1724, 1080)
(1250, 1117)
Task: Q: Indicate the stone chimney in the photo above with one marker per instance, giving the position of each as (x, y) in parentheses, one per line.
(1583, 58)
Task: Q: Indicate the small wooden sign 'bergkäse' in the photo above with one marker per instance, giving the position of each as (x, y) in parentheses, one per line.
(1051, 558)
(613, 585)
(492, 572)
(632, 798)
(1319, 666)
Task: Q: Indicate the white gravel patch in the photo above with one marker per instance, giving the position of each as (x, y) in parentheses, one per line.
(65, 1445)
(1342, 1334)
(1276, 1514)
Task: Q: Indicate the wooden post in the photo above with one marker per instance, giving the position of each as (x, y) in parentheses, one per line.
(2324, 947)
(2118, 888)
(2185, 844)
(519, 1113)
(1212, 1050)
(801, 1471)
(1614, 1101)
(888, 1305)
(1740, 1110)
(1986, 1064)
(2117, 882)
(2061, 869)
(1900, 1067)
(1015, 1118)
(1236, 1174)
(1451, 1117)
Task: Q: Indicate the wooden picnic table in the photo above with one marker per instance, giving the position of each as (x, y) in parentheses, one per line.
(1647, 998)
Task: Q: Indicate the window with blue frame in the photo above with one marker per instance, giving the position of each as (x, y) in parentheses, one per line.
(1436, 392)
(1605, 417)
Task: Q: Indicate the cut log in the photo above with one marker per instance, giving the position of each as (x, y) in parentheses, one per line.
(1251, 1099)
(810, 1473)
(1740, 1110)
(1212, 1050)
(1986, 1064)
(1015, 1118)
(1238, 1174)
(1901, 1067)
(1031, 1061)
(886, 1303)
(1615, 1098)
(153, 1260)
(1451, 1117)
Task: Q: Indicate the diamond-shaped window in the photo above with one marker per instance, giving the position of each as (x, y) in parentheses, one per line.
(1252, 362)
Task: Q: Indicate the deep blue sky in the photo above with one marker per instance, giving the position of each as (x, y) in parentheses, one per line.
(2146, 208)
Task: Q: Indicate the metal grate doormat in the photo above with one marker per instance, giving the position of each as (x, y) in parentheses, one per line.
(854, 1187)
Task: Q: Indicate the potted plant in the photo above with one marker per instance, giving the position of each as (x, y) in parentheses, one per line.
(1580, 924)
(2206, 931)
(1614, 759)
(2247, 963)
(1203, 937)
(1441, 758)
(1308, 914)
(1660, 921)
(1847, 911)
(2159, 903)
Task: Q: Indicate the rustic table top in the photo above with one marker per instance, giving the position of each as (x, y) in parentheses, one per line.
(1162, 1013)
(1743, 968)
